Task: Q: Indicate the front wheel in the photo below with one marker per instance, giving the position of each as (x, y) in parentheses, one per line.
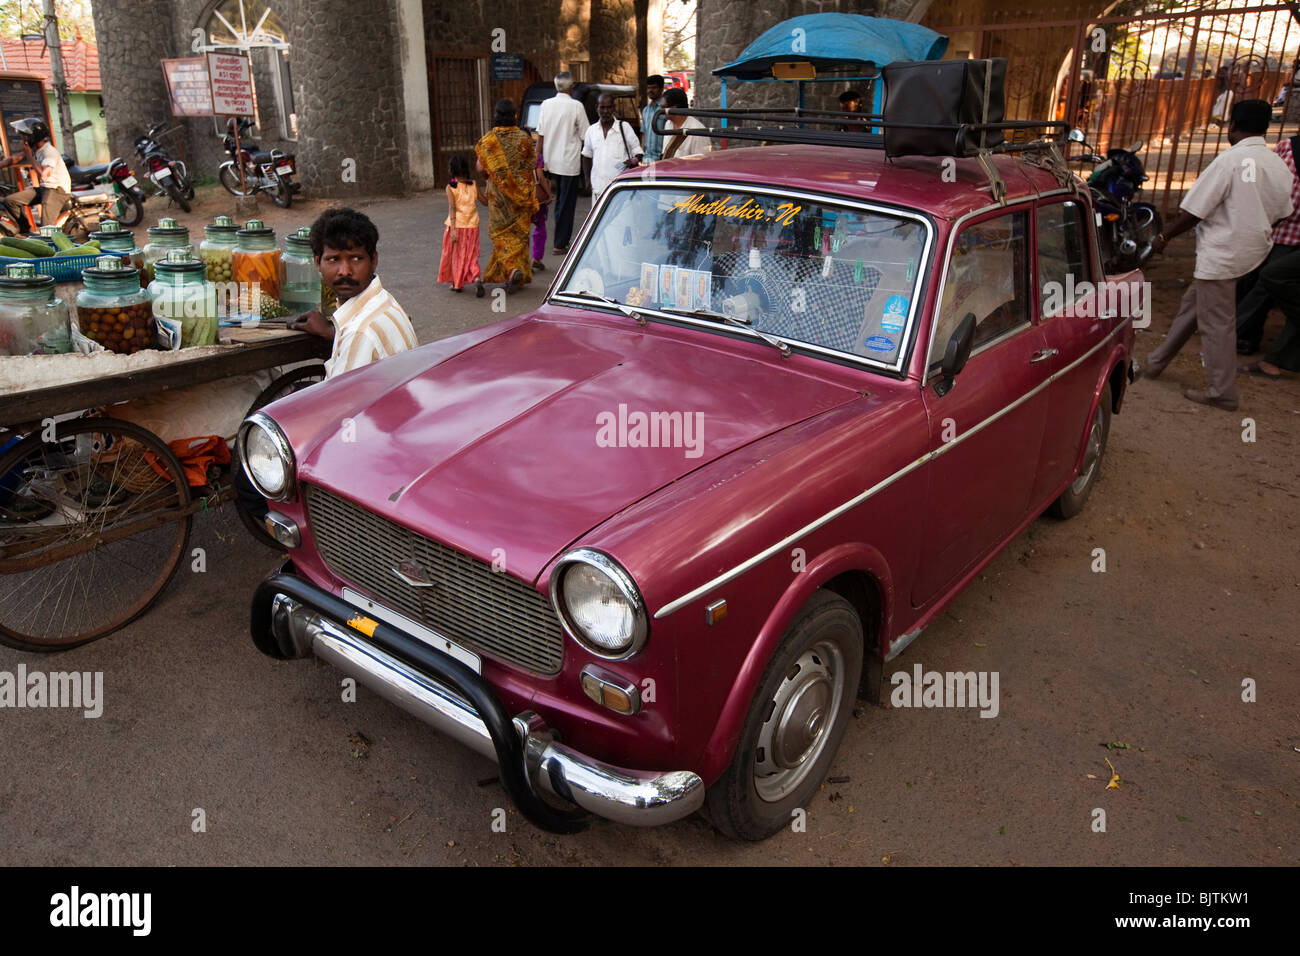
(283, 195)
(229, 177)
(795, 722)
(1072, 499)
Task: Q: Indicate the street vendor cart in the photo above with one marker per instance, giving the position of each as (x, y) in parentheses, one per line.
(95, 511)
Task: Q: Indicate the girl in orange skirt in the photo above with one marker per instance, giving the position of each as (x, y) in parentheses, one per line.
(459, 263)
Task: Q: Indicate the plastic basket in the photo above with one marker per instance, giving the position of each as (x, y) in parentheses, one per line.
(64, 268)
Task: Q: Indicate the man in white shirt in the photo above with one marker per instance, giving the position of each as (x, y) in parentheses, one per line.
(609, 147)
(681, 145)
(54, 191)
(1233, 205)
(561, 125)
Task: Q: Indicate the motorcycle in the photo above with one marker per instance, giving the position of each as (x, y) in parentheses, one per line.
(129, 207)
(264, 170)
(168, 175)
(80, 217)
(1126, 228)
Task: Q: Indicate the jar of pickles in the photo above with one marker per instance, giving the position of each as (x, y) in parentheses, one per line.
(163, 238)
(184, 302)
(300, 283)
(121, 242)
(217, 249)
(256, 260)
(32, 320)
(112, 309)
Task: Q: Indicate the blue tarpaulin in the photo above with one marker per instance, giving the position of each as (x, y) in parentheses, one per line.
(835, 41)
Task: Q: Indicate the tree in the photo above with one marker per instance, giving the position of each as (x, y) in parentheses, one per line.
(25, 16)
(679, 34)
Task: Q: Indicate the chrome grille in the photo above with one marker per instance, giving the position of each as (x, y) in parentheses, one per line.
(470, 603)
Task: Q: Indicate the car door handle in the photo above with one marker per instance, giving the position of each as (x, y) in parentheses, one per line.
(1043, 355)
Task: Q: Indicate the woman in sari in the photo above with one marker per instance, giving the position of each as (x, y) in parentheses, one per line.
(507, 157)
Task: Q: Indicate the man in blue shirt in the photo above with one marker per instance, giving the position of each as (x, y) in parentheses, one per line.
(654, 144)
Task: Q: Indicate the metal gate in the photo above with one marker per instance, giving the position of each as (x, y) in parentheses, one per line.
(1163, 77)
(458, 93)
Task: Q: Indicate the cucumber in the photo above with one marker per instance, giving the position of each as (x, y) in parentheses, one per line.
(86, 250)
(14, 252)
(35, 246)
(61, 241)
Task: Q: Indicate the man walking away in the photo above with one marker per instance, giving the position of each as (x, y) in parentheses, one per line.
(561, 125)
(654, 143)
(1233, 204)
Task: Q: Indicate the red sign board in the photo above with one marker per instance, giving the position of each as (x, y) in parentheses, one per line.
(232, 84)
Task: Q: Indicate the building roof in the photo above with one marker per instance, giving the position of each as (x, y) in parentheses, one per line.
(80, 62)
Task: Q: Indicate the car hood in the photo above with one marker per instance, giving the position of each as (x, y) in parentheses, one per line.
(517, 445)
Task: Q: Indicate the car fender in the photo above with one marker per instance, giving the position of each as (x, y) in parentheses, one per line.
(827, 565)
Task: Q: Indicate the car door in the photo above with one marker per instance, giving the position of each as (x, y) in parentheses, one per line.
(986, 433)
(1075, 314)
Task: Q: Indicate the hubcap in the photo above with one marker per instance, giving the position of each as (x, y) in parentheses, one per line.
(799, 719)
(1090, 455)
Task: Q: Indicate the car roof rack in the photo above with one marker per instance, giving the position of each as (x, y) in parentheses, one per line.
(792, 126)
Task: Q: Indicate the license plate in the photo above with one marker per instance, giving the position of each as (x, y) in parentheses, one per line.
(163, 173)
(418, 631)
(284, 170)
(129, 181)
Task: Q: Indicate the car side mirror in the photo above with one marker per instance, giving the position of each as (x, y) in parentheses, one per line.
(956, 354)
(1076, 136)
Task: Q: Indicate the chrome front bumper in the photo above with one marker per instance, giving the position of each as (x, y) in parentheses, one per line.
(293, 618)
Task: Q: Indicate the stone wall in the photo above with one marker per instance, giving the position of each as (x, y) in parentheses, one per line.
(133, 91)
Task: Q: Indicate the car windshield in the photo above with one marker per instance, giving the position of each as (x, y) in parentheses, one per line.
(801, 269)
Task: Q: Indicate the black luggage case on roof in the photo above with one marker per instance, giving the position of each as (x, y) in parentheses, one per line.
(946, 92)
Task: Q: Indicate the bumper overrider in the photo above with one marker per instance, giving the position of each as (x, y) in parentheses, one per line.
(293, 618)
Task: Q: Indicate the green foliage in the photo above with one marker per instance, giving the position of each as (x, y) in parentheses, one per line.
(28, 16)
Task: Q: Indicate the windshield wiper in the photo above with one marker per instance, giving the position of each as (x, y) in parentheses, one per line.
(596, 296)
(745, 324)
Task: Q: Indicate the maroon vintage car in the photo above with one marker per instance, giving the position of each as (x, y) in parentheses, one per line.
(644, 545)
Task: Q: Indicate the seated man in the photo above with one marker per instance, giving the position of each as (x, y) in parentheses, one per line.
(54, 191)
(368, 324)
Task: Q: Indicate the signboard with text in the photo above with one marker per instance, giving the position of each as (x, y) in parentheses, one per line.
(188, 87)
(507, 66)
(232, 84)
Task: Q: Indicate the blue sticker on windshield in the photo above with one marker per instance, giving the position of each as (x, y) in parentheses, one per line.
(880, 343)
(895, 313)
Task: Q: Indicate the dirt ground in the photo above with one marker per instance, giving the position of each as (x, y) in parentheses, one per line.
(1196, 512)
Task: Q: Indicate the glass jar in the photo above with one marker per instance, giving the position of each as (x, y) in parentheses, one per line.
(300, 285)
(184, 302)
(112, 238)
(217, 250)
(256, 260)
(163, 238)
(32, 320)
(329, 301)
(112, 309)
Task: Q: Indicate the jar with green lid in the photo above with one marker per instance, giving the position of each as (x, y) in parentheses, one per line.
(121, 242)
(163, 238)
(256, 260)
(184, 302)
(32, 320)
(217, 250)
(112, 309)
(299, 277)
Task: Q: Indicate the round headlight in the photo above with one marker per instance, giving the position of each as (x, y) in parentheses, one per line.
(599, 604)
(268, 461)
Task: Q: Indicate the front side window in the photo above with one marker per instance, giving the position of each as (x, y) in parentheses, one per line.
(988, 278)
(803, 270)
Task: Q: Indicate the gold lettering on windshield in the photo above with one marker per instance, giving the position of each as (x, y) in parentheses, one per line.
(728, 209)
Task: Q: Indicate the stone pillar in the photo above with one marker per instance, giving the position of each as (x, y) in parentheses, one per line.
(613, 41)
(134, 94)
(414, 61)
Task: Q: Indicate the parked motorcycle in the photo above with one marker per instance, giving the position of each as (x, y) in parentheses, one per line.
(168, 175)
(264, 170)
(1126, 228)
(80, 217)
(129, 207)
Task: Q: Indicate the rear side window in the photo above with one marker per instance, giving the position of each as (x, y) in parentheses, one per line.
(1064, 269)
(988, 277)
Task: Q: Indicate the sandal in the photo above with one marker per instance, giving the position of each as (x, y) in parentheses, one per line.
(1254, 369)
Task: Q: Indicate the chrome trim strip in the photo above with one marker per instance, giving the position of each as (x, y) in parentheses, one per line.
(635, 797)
(812, 526)
(918, 284)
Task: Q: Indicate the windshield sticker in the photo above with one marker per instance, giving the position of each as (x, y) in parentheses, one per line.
(649, 276)
(704, 289)
(667, 285)
(685, 288)
(880, 343)
(728, 209)
(895, 314)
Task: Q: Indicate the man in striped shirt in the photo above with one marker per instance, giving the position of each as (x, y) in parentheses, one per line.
(368, 324)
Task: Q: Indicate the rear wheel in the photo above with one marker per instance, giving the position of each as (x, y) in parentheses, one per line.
(177, 196)
(128, 209)
(1072, 499)
(283, 195)
(795, 722)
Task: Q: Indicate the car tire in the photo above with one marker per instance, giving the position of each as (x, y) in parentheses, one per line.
(1072, 499)
(779, 763)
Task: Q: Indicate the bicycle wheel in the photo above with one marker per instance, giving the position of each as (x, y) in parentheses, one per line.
(92, 527)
